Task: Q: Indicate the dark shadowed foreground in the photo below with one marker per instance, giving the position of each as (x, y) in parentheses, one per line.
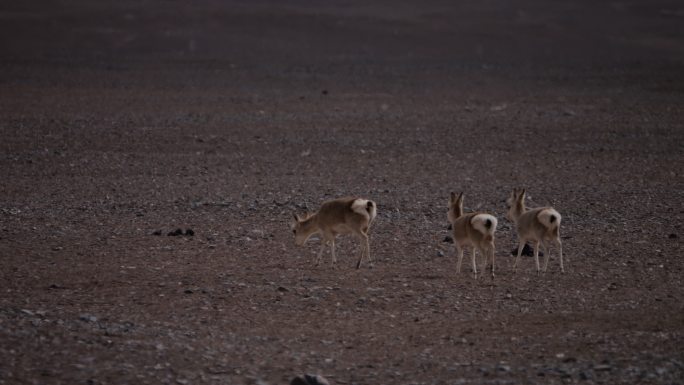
(123, 119)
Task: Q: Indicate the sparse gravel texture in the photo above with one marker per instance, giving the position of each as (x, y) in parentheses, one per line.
(123, 121)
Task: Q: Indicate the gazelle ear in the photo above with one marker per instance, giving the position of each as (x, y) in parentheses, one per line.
(296, 217)
(522, 195)
(452, 197)
(460, 196)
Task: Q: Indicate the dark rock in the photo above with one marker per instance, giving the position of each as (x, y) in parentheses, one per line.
(157, 232)
(188, 291)
(324, 92)
(282, 289)
(672, 236)
(448, 239)
(189, 232)
(175, 233)
(309, 379)
(527, 251)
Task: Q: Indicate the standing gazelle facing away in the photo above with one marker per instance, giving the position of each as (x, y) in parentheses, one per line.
(339, 216)
(473, 229)
(540, 225)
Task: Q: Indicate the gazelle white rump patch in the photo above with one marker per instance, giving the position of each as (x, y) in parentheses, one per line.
(484, 223)
(361, 206)
(550, 218)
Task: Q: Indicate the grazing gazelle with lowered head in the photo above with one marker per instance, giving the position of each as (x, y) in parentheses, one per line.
(540, 225)
(338, 216)
(472, 229)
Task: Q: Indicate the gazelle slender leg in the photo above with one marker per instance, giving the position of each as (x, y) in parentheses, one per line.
(560, 253)
(485, 259)
(368, 249)
(521, 244)
(332, 252)
(459, 251)
(320, 252)
(365, 245)
(473, 259)
(364, 249)
(547, 250)
(492, 251)
(536, 255)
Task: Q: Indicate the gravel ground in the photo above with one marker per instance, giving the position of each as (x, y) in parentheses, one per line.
(124, 121)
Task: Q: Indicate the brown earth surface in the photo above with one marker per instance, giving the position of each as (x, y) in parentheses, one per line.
(119, 119)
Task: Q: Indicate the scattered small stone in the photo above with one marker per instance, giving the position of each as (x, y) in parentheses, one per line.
(448, 239)
(157, 232)
(672, 236)
(175, 233)
(282, 289)
(188, 291)
(440, 253)
(189, 232)
(612, 286)
(602, 368)
(324, 92)
(88, 318)
(57, 248)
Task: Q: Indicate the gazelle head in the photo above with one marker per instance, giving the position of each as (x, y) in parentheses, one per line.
(455, 206)
(516, 204)
(302, 228)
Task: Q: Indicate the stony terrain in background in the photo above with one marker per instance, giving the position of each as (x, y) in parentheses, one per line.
(123, 119)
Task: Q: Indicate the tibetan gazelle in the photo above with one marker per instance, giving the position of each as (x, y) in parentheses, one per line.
(472, 229)
(339, 216)
(539, 225)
